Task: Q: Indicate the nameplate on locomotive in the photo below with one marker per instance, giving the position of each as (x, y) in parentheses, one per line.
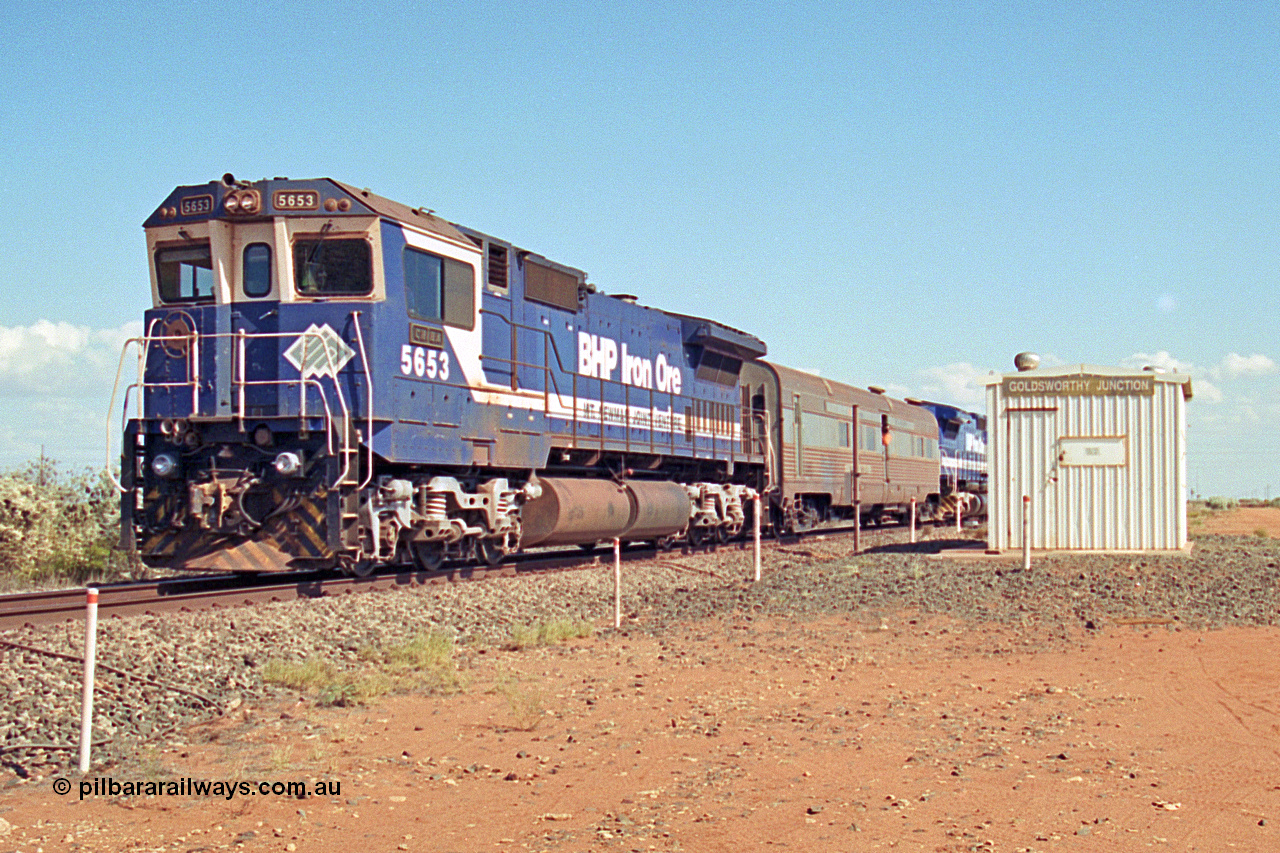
(295, 200)
(426, 336)
(196, 205)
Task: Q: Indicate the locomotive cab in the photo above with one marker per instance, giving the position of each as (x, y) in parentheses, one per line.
(254, 401)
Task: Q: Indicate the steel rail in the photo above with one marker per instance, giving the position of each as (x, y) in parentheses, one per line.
(170, 595)
(203, 593)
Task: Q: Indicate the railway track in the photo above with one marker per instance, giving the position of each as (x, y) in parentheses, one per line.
(170, 595)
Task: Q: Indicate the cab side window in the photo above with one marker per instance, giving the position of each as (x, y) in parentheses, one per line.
(439, 289)
(185, 273)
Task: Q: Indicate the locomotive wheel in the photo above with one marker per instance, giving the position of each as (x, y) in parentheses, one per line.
(723, 535)
(697, 535)
(362, 568)
(489, 551)
(428, 556)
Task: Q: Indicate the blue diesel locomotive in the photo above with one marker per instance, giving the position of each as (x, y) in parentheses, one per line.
(962, 441)
(331, 378)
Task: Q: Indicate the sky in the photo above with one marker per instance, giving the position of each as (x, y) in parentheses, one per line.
(900, 194)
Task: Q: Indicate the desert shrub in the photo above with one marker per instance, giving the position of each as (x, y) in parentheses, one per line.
(1222, 503)
(57, 527)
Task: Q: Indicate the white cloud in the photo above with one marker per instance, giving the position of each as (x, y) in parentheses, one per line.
(1200, 385)
(55, 389)
(1163, 360)
(893, 389)
(960, 384)
(1167, 303)
(47, 359)
(1206, 390)
(1250, 365)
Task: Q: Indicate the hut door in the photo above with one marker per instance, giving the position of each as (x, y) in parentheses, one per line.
(1031, 463)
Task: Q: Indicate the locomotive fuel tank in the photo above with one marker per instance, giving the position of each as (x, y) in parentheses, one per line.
(571, 511)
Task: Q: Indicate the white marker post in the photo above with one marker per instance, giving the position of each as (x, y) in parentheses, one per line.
(1026, 527)
(617, 583)
(755, 535)
(960, 502)
(90, 659)
(913, 521)
(857, 527)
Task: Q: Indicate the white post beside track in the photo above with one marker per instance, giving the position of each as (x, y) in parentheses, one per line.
(857, 527)
(913, 521)
(1026, 531)
(90, 659)
(755, 536)
(617, 583)
(959, 510)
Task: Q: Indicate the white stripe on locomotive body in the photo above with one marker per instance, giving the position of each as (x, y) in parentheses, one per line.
(952, 463)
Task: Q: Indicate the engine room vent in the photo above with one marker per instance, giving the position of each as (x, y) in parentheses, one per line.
(497, 266)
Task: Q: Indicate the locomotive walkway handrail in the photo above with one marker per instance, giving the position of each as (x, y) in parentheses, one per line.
(368, 409)
(577, 411)
(239, 372)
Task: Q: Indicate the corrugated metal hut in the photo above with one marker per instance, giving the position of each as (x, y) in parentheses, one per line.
(1100, 451)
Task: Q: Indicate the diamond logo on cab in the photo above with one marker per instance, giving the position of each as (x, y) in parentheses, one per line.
(319, 351)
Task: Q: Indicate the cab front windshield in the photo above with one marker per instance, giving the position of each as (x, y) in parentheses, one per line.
(332, 267)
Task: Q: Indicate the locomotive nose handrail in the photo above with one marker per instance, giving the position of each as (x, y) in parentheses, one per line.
(240, 382)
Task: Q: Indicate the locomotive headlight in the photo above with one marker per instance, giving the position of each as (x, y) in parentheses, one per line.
(231, 203)
(165, 465)
(288, 464)
(249, 202)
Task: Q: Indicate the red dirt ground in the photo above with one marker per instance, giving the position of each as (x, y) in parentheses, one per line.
(746, 735)
(1245, 521)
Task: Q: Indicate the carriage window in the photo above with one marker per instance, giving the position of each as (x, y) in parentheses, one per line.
(185, 273)
(332, 267)
(437, 288)
(257, 270)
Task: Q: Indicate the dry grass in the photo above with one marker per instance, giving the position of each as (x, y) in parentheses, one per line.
(423, 663)
(549, 633)
(524, 701)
